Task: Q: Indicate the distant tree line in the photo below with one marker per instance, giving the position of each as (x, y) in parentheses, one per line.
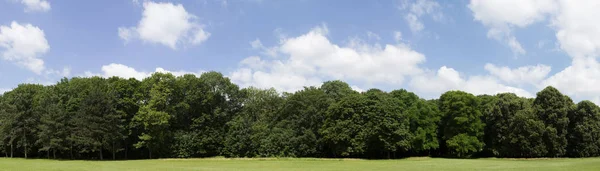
(188, 116)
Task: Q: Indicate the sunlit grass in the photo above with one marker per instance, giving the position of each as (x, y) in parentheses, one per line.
(294, 164)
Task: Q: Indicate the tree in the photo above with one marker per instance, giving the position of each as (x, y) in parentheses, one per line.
(250, 131)
(219, 105)
(52, 132)
(387, 128)
(7, 120)
(462, 129)
(511, 128)
(336, 90)
(525, 136)
(552, 108)
(303, 114)
(127, 93)
(154, 115)
(24, 121)
(424, 118)
(584, 130)
(342, 125)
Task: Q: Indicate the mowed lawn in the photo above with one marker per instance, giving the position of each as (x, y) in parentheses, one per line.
(288, 164)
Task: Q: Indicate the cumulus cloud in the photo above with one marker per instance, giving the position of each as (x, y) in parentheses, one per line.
(577, 34)
(311, 58)
(501, 16)
(167, 24)
(577, 28)
(579, 80)
(24, 45)
(419, 8)
(125, 71)
(432, 84)
(36, 5)
(521, 75)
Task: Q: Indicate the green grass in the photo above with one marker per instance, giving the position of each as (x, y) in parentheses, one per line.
(218, 164)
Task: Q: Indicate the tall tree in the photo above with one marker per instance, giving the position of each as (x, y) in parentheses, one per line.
(24, 122)
(584, 130)
(154, 115)
(424, 118)
(7, 122)
(220, 103)
(303, 113)
(127, 93)
(462, 129)
(552, 108)
(52, 132)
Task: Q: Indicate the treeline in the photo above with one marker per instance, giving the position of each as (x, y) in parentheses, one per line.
(189, 116)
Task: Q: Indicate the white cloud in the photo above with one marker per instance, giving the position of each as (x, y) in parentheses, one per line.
(126, 33)
(24, 45)
(373, 36)
(414, 23)
(522, 75)
(578, 30)
(65, 72)
(167, 24)
(419, 8)
(269, 51)
(432, 84)
(356, 88)
(311, 58)
(577, 33)
(36, 5)
(398, 36)
(125, 71)
(501, 16)
(579, 80)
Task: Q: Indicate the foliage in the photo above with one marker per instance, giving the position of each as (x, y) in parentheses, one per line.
(208, 115)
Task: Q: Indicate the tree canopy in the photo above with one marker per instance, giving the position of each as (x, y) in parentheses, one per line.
(208, 115)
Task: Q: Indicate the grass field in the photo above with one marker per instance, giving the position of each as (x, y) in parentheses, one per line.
(218, 164)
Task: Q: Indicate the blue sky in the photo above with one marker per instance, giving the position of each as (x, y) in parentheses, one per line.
(425, 46)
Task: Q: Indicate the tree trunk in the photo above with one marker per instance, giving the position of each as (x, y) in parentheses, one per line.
(11, 150)
(54, 153)
(48, 153)
(150, 153)
(71, 150)
(388, 154)
(100, 152)
(126, 151)
(113, 150)
(25, 144)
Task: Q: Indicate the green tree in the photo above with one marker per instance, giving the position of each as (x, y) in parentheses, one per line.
(462, 129)
(303, 114)
(127, 94)
(249, 133)
(7, 114)
(24, 121)
(552, 108)
(154, 115)
(52, 132)
(340, 129)
(424, 118)
(584, 130)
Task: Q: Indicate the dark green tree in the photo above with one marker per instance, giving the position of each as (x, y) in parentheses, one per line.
(24, 121)
(552, 108)
(155, 113)
(461, 125)
(584, 130)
